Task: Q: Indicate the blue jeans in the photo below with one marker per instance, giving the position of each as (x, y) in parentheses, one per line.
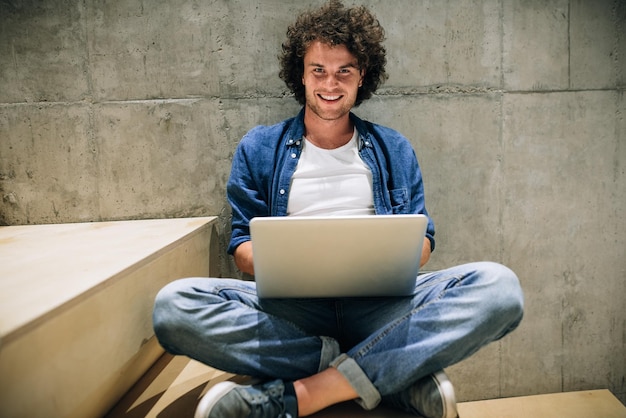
(381, 345)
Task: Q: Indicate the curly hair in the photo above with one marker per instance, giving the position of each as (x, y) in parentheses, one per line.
(334, 24)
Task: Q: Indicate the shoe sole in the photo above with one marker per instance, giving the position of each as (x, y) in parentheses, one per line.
(209, 400)
(447, 393)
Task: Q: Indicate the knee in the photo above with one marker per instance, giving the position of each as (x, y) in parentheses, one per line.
(165, 300)
(505, 295)
(166, 313)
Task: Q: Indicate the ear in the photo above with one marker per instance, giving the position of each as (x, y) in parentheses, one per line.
(362, 77)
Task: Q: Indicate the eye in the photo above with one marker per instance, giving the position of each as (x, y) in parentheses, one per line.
(346, 72)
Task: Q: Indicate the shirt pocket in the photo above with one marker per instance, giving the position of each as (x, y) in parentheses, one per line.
(399, 200)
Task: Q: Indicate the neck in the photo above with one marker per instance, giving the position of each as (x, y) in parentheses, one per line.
(327, 134)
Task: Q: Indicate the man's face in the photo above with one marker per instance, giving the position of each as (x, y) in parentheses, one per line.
(331, 80)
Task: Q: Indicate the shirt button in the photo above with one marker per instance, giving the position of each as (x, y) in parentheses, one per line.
(282, 191)
(297, 142)
(293, 155)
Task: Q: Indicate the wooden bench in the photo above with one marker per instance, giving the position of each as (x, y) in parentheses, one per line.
(76, 307)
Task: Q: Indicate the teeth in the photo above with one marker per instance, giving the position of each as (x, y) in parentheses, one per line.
(329, 97)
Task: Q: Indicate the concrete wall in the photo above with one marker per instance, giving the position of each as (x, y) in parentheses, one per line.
(130, 110)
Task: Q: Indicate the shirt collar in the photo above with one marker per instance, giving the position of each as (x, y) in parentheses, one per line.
(295, 135)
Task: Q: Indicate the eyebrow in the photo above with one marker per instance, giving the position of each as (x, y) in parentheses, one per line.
(349, 65)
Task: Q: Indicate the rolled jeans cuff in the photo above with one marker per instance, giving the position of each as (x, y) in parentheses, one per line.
(369, 397)
(330, 351)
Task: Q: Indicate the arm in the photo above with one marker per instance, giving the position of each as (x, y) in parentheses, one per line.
(257, 164)
(425, 252)
(243, 257)
(247, 188)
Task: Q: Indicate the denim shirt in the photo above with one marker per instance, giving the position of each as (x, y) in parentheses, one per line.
(267, 156)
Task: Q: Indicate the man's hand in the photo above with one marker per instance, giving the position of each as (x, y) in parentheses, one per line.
(243, 257)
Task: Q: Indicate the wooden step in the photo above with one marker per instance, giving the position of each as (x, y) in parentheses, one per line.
(76, 305)
(173, 387)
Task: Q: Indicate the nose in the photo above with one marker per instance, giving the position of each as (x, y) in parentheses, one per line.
(331, 80)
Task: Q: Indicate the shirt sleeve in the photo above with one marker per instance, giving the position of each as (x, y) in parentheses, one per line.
(418, 203)
(246, 192)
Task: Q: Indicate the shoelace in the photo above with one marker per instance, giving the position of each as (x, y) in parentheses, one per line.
(270, 403)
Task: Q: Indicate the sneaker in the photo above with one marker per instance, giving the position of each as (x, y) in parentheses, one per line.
(429, 397)
(230, 400)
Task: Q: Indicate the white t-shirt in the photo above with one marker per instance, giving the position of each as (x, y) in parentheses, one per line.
(331, 182)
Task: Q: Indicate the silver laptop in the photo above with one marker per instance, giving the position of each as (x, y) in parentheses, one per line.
(313, 257)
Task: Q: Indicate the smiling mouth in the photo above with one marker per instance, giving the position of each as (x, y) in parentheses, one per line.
(329, 98)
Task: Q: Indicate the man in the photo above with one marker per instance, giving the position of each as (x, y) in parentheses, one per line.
(312, 353)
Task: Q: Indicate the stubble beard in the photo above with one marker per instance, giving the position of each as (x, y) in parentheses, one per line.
(329, 114)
